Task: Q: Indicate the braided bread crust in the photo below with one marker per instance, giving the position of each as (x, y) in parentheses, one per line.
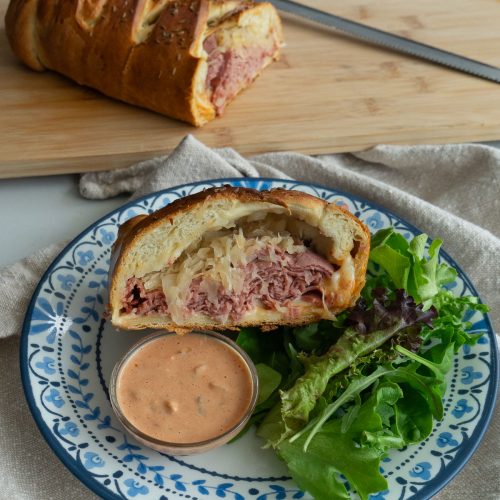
(150, 53)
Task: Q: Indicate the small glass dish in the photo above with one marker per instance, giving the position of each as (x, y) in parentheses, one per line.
(184, 448)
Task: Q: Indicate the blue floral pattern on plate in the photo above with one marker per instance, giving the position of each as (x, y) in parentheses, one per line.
(68, 350)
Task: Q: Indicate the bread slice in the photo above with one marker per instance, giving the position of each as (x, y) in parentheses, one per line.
(182, 58)
(230, 257)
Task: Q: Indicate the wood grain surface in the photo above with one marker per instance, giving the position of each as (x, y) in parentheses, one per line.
(329, 93)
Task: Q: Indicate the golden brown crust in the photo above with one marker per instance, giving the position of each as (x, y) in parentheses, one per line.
(169, 50)
(122, 240)
(21, 31)
(189, 202)
(144, 52)
(267, 327)
(135, 230)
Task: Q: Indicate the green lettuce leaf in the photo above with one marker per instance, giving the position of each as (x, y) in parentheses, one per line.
(386, 318)
(269, 381)
(355, 451)
(408, 267)
(413, 419)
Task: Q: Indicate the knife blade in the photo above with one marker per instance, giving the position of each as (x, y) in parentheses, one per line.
(391, 41)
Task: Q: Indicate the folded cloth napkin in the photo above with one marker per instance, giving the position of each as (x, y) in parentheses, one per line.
(451, 192)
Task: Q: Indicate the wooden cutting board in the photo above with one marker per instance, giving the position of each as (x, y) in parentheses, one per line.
(329, 93)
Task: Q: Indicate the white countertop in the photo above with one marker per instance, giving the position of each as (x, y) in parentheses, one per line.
(38, 211)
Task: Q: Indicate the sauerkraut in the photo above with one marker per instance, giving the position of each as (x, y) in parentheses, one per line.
(229, 273)
(217, 261)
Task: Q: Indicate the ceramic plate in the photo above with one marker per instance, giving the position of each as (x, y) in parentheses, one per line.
(68, 351)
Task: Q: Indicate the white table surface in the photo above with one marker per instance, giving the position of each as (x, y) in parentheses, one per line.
(38, 211)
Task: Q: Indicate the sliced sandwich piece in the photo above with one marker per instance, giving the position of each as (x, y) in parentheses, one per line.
(183, 58)
(230, 257)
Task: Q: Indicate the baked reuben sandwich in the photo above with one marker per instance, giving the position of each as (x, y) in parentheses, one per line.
(230, 257)
(183, 58)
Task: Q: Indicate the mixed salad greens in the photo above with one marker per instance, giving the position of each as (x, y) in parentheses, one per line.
(336, 396)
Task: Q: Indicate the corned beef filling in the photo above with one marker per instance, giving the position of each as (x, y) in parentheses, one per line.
(229, 71)
(274, 283)
(139, 301)
(269, 282)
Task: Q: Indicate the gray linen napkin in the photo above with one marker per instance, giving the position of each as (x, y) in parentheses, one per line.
(451, 192)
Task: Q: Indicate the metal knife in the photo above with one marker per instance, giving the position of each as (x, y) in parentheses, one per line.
(394, 42)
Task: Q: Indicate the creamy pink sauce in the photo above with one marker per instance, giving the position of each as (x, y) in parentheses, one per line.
(184, 389)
